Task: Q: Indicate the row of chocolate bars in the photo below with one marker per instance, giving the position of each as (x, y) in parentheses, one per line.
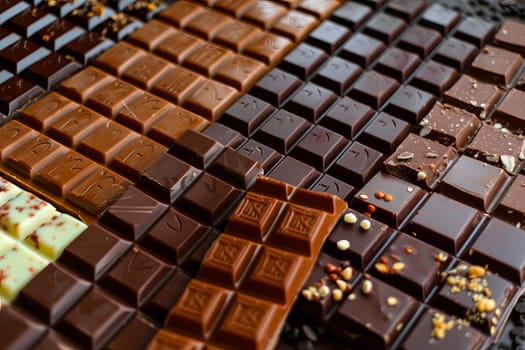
(211, 174)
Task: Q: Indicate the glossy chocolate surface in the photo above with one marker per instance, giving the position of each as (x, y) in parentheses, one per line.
(133, 148)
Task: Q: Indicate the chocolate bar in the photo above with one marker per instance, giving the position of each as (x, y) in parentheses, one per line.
(163, 142)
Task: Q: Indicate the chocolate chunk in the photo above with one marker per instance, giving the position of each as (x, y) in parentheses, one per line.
(397, 63)
(450, 126)
(264, 13)
(50, 303)
(473, 182)
(151, 34)
(146, 71)
(59, 33)
(496, 147)
(329, 36)
(15, 92)
(303, 60)
(347, 117)
(410, 104)
(197, 149)
(211, 99)
(136, 276)
(496, 65)
(237, 169)
(352, 14)
(276, 87)
(419, 40)
(240, 72)
(384, 27)
(7, 38)
(303, 175)
(311, 101)
(295, 25)
(373, 89)
(435, 78)
(407, 10)
(209, 199)
(509, 36)
(510, 111)
(411, 265)
(21, 55)
(51, 70)
(385, 133)
(364, 244)
(236, 34)
(268, 48)
(503, 257)
(362, 49)
(434, 224)
(441, 18)
(403, 198)
(22, 332)
(368, 319)
(319, 147)
(511, 208)
(93, 252)
(174, 236)
(420, 161)
(165, 298)
(11, 8)
(476, 31)
(247, 114)
(456, 298)
(261, 153)
(94, 319)
(136, 334)
(456, 53)
(357, 164)
(282, 130)
(459, 336)
(133, 213)
(30, 21)
(223, 274)
(337, 75)
(177, 46)
(336, 187)
(87, 46)
(224, 135)
(167, 178)
(472, 95)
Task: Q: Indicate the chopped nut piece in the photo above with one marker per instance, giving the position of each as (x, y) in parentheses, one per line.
(363, 196)
(346, 274)
(307, 294)
(441, 257)
(379, 195)
(337, 294)
(391, 301)
(352, 296)
(324, 291)
(398, 266)
(367, 286)
(365, 224)
(475, 271)
(421, 175)
(371, 208)
(343, 244)
(341, 285)
(387, 197)
(350, 218)
(405, 155)
(383, 268)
